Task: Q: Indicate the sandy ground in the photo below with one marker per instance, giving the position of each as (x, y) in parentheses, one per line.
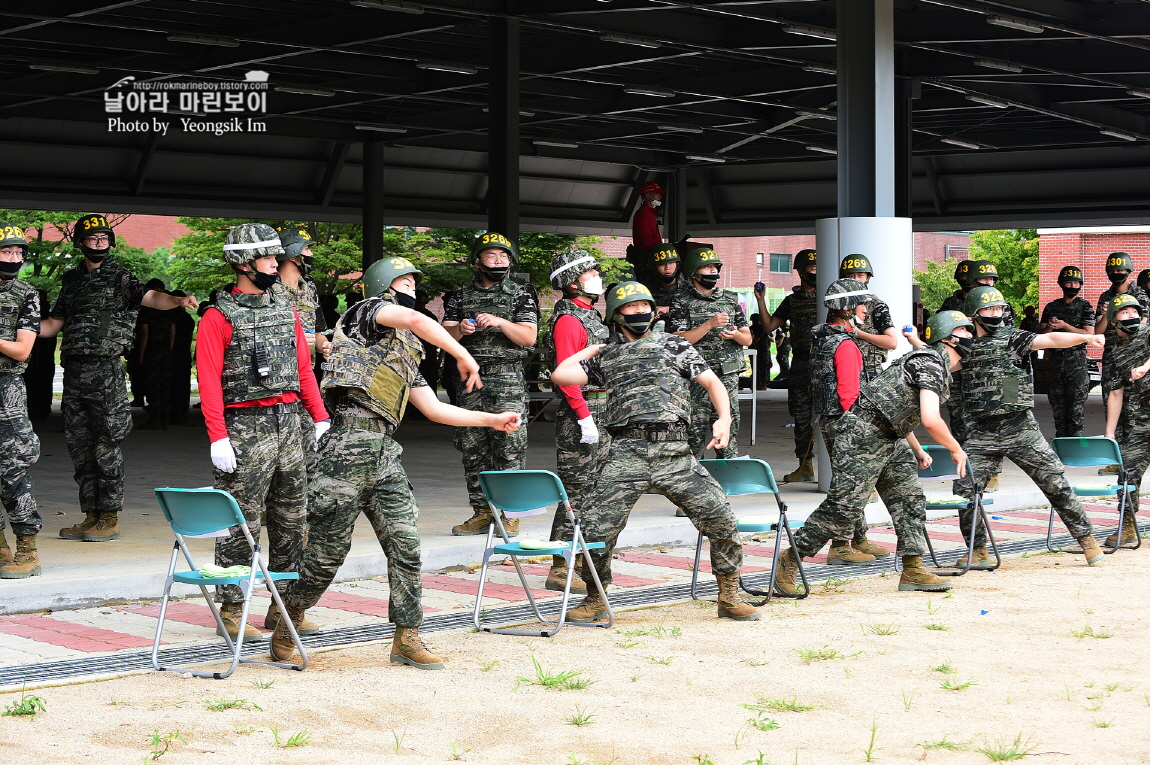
(670, 685)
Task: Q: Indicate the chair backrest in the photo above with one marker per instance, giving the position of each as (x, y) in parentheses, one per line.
(193, 512)
(942, 468)
(522, 492)
(1087, 452)
(741, 476)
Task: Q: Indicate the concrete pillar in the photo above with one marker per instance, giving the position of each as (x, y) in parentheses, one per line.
(372, 202)
(503, 136)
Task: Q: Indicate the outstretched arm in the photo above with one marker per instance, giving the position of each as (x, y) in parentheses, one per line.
(717, 392)
(1066, 340)
(446, 414)
(426, 328)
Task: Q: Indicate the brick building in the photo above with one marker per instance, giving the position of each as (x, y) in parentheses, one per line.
(149, 232)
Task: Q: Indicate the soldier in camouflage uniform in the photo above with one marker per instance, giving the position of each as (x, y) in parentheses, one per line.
(496, 318)
(1067, 380)
(875, 447)
(1130, 358)
(876, 332)
(712, 320)
(998, 398)
(579, 444)
(648, 409)
(371, 372)
(800, 309)
(19, 325)
(96, 309)
(667, 279)
(253, 367)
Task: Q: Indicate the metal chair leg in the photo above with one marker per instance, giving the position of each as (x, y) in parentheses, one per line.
(770, 592)
(695, 569)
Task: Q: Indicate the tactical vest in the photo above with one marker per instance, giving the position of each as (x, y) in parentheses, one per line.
(723, 356)
(13, 295)
(992, 384)
(665, 295)
(489, 345)
(260, 361)
(1073, 313)
(896, 399)
(94, 324)
(597, 331)
(376, 375)
(873, 356)
(824, 380)
(641, 386)
(804, 311)
(304, 300)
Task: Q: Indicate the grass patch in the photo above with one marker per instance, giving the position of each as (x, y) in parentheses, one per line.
(26, 706)
(1090, 632)
(780, 705)
(243, 730)
(937, 626)
(489, 666)
(755, 662)
(945, 668)
(950, 684)
(826, 653)
(879, 629)
(579, 718)
(263, 684)
(300, 738)
(162, 742)
(908, 699)
(1101, 723)
(455, 753)
(944, 744)
(220, 705)
(835, 584)
(1006, 750)
(567, 680)
(870, 749)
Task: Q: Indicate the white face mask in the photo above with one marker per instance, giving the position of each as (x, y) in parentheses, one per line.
(656, 202)
(593, 286)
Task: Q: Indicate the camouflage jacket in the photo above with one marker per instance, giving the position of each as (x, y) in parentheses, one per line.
(690, 309)
(19, 309)
(646, 380)
(99, 309)
(260, 361)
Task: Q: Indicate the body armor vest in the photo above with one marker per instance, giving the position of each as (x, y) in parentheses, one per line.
(305, 300)
(1074, 314)
(873, 356)
(804, 312)
(94, 324)
(896, 399)
(13, 295)
(824, 381)
(490, 345)
(597, 332)
(1125, 354)
(376, 375)
(723, 356)
(260, 361)
(641, 386)
(664, 295)
(992, 384)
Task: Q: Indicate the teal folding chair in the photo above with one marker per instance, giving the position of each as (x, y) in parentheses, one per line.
(739, 477)
(520, 494)
(1093, 452)
(196, 512)
(942, 469)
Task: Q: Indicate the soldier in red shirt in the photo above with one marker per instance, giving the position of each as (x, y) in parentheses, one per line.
(644, 228)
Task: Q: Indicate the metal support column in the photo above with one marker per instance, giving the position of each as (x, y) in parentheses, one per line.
(503, 136)
(372, 202)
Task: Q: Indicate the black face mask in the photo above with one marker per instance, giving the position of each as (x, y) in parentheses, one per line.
(668, 280)
(262, 281)
(1129, 325)
(10, 270)
(308, 260)
(1117, 278)
(637, 323)
(990, 323)
(1070, 292)
(405, 300)
(811, 279)
(94, 255)
(497, 274)
(708, 281)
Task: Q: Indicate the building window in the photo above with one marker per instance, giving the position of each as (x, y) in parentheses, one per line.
(758, 258)
(780, 263)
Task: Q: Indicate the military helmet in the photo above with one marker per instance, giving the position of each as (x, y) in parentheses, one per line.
(855, 264)
(567, 267)
(293, 239)
(13, 234)
(664, 253)
(699, 257)
(493, 240)
(1144, 278)
(249, 241)
(961, 271)
(1070, 274)
(982, 297)
(380, 274)
(980, 269)
(845, 294)
(627, 292)
(92, 224)
(942, 325)
(1119, 261)
(1124, 300)
(803, 259)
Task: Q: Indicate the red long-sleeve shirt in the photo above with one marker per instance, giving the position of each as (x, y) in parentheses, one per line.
(848, 372)
(645, 229)
(570, 338)
(215, 335)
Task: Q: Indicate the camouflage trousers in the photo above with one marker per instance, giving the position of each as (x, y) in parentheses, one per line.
(1017, 437)
(703, 416)
(269, 478)
(21, 448)
(1067, 385)
(487, 448)
(96, 419)
(310, 448)
(801, 407)
(1134, 441)
(865, 459)
(633, 466)
(577, 464)
(359, 471)
(827, 428)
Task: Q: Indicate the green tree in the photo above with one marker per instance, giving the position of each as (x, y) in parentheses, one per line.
(936, 283)
(1015, 252)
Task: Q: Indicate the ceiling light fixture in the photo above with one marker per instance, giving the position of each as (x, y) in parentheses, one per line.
(1119, 134)
(387, 5)
(642, 42)
(443, 66)
(681, 128)
(380, 128)
(815, 114)
(962, 143)
(987, 101)
(705, 158)
(1003, 66)
(637, 90)
(1139, 93)
(555, 143)
(821, 149)
(73, 68)
(222, 42)
(819, 32)
(300, 90)
(820, 68)
(1019, 24)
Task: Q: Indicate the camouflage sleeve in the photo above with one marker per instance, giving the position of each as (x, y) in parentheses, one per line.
(677, 319)
(131, 289)
(1048, 313)
(593, 368)
(60, 309)
(783, 312)
(1088, 317)
(924, 371)
(29, 317)
(1019, 344)
(527, 307)
(881, 318)
(1141, 296)
(453, 306)
(1103, 301)
(419, 382)
(684, 358)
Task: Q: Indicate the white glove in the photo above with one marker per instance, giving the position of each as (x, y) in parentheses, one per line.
(321, 428)
(223, 455)
(590, 432)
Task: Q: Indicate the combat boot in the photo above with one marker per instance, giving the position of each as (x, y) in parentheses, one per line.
(992, 484)
(511, 526)
(106, 529)
(282, 646)
(868, 547)
(5, 550)
(981, 560)
(731, 602)
(915, 578)
(842, 554)
(786, 569)
(78, 531)
(26, 562)
(272, 620)
(589, 610)
(805, 473)
(557, 577)
(408, 648)
(475, 525)
(1093, 552)
(230, 613)
(1129, 532)
(680, 512)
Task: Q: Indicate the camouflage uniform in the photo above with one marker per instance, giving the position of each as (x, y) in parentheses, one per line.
(1067, 381)
(665, 295)
(99, 311)
(800, 309)
(305, 300)
(647, 414)
(19, 310)
(878, 321)
(1109, 379)
(958, 425)
(871, 453)
(998, 396)
(690, 309)
(501, 368)
(1134, 433)
(366, 383)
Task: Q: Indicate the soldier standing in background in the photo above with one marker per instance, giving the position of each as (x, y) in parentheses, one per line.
(496, 318)
(157, 339)
(667, 279)
(1067, 379)
(182, 364)
(96, 309)
(876, 332)
(40, 375)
